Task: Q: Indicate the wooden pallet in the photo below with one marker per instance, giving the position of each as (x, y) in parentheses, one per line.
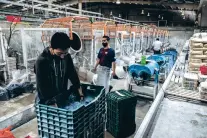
(175, 86)
(177, 90)
(177, 77)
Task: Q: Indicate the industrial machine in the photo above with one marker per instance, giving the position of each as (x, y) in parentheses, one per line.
(144, 79)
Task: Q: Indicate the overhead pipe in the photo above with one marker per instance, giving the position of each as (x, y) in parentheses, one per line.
(140, 50)
(61, 12)
(64, 7)
(133, 43)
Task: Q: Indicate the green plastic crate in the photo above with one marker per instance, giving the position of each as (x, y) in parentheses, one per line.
(121, 109)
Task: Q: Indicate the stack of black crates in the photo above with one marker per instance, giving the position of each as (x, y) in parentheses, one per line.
(121, 110)
(85, 122)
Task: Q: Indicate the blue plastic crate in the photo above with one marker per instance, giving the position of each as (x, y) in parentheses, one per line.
(63, 123)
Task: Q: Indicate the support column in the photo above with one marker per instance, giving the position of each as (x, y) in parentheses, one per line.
(49, 6)
(80, 6)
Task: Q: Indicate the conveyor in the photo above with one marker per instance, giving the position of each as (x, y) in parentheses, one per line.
(176, 112)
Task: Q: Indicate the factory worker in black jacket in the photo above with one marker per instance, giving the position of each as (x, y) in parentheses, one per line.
(54, 69)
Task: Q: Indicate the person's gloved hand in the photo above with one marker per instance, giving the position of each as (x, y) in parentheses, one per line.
(81, 97)
(81, 94)
(94, 70)
(113, 73)
(51, 102)
(54, 105)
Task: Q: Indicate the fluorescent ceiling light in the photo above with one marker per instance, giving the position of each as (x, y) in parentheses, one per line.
(142, 12)
(159, 16)
(118, 2)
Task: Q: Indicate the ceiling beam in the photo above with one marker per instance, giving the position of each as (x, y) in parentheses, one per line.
(115, 19)
(64, 7)
(9, 5)
(38, 5)
(191, 6)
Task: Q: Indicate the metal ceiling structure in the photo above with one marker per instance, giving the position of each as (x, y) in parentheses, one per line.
(37, 10)
(54, 9)
(166, 4)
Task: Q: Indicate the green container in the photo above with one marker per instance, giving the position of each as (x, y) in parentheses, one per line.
(143, 60)
(121, 107)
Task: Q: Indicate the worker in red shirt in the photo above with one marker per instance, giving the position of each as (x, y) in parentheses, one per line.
(105, 61)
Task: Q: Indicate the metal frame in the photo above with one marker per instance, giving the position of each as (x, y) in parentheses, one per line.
(152, 87)
(97, 34)
(24, 47)
(92, 14)
(133, 42)
(149, 118)
(140, 41)
(2, 48)
(119, 49)
(161, 20)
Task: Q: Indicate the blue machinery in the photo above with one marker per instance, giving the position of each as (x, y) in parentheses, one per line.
(149, 75)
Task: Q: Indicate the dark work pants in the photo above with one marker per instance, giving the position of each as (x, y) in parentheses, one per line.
(157, 52)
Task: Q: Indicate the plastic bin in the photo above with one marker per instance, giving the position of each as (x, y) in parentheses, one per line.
(203, 70)
(4, 95)
(121, 108)
(62, 123)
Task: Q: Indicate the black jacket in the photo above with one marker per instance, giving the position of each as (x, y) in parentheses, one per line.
(52, 76)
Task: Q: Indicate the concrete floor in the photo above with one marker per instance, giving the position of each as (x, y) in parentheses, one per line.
(7, 107)
(142, 108)
(30, 128)
(176, 119)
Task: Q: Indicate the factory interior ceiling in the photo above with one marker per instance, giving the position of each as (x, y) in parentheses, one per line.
(44, 9)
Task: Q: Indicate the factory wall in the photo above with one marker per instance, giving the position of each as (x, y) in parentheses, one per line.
(178, 38)
(4, 24)
(133, 12)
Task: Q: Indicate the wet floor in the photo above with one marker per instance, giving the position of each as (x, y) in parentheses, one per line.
(8, 107)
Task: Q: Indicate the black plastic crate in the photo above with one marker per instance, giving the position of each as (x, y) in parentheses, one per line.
(4, 95)
(51, 134)
(97, 131)
(121, 109)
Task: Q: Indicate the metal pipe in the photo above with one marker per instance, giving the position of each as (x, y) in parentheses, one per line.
(148, 120)
(6, 6)
(80, 7)
(30, 6)
(33, 7)
(61, 12)
(64, 7)
(57, 11)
